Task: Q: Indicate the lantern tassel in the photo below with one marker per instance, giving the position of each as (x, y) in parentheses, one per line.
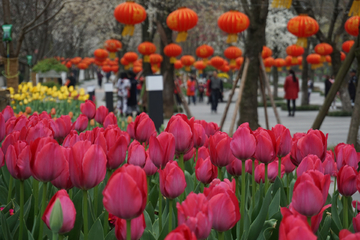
(288, 68)
(268, 69)
(200, 71)
(322, 59)
(146, 58)
(302, 42)
(232, 38)
(127, 67)
(279, 69)
(355, 8)
(300, 67)
(112, 55)
(172, 60)
(128, 30)
(181, 37)
(205, 60)
(294, 60)
(232, 62)
(281, 4)
(187, 68)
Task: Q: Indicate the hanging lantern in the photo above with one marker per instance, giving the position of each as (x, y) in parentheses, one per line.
(200, 66)
(130, 57)
(155, 68)
(266, 52)
(137, 63)
(232, 53)
(182, 20)
(233, 22)
(225, 68)
(239, 62)
(156, 60)
(106, 68)
(187, 61)
(281, 4)
(279, 63)
(217, 62)
(315, 60)
(129, 13)
(172, 51)
(346, 46)
(289, 62)
(146, 49)
(300, 60)
(98, 63)
(342, 56)
(125, 63)
(68, 64)
(82, 66)
(352, 26)
(294, 51)
(178, 64)
(303, 27)
(328, 59)
(355, 8)
(114, 69)
(101, 55)
(268, 62)
(112, 46)
(204, 52)
(323, 49)
(76, 60)
(137, 69)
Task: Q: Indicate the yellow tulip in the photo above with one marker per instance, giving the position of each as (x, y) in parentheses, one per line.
(82, 92)
(14, 107)
(71, 88)
(20, 103)
(26, 102)
(12, 102)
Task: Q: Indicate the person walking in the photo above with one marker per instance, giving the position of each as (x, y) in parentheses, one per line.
(215, 91)
(352, 86)
(123, 86)
(177, 90)
(328, 84)
(191, 87)
(99, 77)
(70, 81)
(201, 90)
(332, 80)
(310, 84)
(132, 96)
(208, 90)
(291, 88)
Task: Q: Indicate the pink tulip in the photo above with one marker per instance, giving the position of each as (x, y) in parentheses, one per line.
(289, 166)
(101, 114)
(310, 162)
(329, 164)
(283, 139)
(8, 112)
(205, 171)
(162, 149)
(182, 129)
(266, 146)
(15, 124)
(81, 123)
(234, 168)
(243, 143)
(210, 128)
(68, 211)
(356, 223)
(138, 226)
(172, 180)
(226, 184)
(45, 115)
(18, 160)
(131, 130)
(136, 154)
(64, 125)
(110, 119)
(189, 155)
(347, 235)
(200, 136)
(273, 169)
(9, 140)
(346, 155)
(2, 158)
(346, 180)
(2, 127)
(203, 152)
(71, 139)
(182, 232)
(220, 152)
(195, 213)
(64, 181)
(149, 168)
(88, 108)
(116, 145)
(310, 192)
(40, 130)
(144, 128)
(248, 165)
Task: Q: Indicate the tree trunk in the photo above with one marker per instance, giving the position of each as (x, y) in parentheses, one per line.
(11, 72)
(275, 74)
(304, 77)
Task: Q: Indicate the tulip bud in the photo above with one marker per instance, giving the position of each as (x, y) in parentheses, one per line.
(110, 119)
(346, 180)
(205, 171)
(347, 235)
(220, 152)
(172, 180)
(310, 162)
(346, 155)
(144, 128)
(243, 143)
(182, 129)
(356, 223)
(100, 114)
(56, 217)
(283, 139)
(88, 108)
(2, 127)
(8, 112)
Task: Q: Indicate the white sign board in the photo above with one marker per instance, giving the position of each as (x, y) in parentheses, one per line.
(108, 87)
(154, 83)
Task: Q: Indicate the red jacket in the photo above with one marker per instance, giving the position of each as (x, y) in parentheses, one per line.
(291, 88)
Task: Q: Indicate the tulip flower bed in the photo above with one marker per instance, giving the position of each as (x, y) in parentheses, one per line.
(65, 180)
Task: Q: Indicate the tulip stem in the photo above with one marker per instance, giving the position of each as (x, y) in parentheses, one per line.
(266, 178)
(346, 212)
(106, 222)
(35, 187)
(11, 180)
(196, 159)
(181, 162)
(70, 195)
(309, 221)
(21, 209)
(55, 236)
(96, 190)
(220, 235)
(128, 229)
(160, 211)
(61, 237)
(242, 202)
(85, 214)
(253, 182)
(43, 205)
(288, 187)
(220, 174)
(334, 186)
(279, 170)
(170, 214)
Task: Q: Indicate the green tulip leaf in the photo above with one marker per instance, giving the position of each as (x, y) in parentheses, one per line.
(154, 195)
(111, 235)
(147, 235)
(336, 223)
(30, 236)
(77, 200)
(190, 183)
(96, 231)
(148, 221)
(5, 228)
(275, 204)
(324, 231)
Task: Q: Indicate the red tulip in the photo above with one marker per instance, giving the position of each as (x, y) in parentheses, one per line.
(9, 140)
(136, 154)
(314, 142)
(64, 125)
(248, 165)
(294, 227)
(182, 129)
(16, 124)
(45, 115)
(8, 112)
(18, 160)
(144, 128)
(189, 155)
(68, 211)
(266, 146)
(195, 213)
(71, 139)
(116, 148)
(205, 171)
(356, 223)
(200, 136)
(138, 226)
(2, 158)
(234, 168)
(149, 168)
(346, 181)
(273, 169)
(131, 130)
(283, 139)
(203, 152)
(87, 165)
(110, 119)
(329, 164)
(162, 149)
(172, 180)
(356, 204)
(225, 208)
(310, 192)
(243, 143)
(182, 232)
(346, 155)
(289, 166)
(347, 235)
(40, 130)
(88, 108)
(101, 114)
(81, 123)
(226, 184)
(220, 152)
(47, 160)
(2, 127)
(310, 162)
(125, 194)
(64, 181)
(210, 128)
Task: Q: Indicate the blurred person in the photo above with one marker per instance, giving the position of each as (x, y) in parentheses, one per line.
(332, 80)
(215, 91)
(132, 96)
(291, 88)
(201, 89)
(208, 90)
(328, 85)
(352, 85)
(99, 77)
(310, 84)
(191, 87)
(70, 81)
(177, 90)
(123, 86)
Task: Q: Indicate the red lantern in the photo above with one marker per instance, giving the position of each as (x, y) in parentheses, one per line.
(342, 56)
(155, 68)
(328, 59)
(289, 62)
(225, 68)
(232, 53)
(137, 69)
(76, 60)
(266, 52)
(279, 63)
(323, 49)
(129, 13)
(178, 64)
(303, 27)
(156, 60)
(82, 66)
(98, 63)
(146, 49)
(352, 26)
(137, 63)
(125, 63)
(294, 51)
(268, 62)
(182, 20)
(112, 46)
(200, 66)
(217, 62)
(187, 61)
(101, 55)
(315, 60)
(106, 68)
(300, 60)
(347, 45)
(68, 64)
(172, 51)
(239, 62)
(233, 22)
(130, 57)
(204, 52)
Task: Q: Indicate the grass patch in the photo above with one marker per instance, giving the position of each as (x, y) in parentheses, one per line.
(268, 104)
(275, 98)
(302, 108)
(227, 85)
(339, 114)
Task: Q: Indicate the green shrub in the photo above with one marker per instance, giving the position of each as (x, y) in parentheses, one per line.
(302, 108)
(49, 64)
(268, 104)
(51, 84)
(339, 114)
